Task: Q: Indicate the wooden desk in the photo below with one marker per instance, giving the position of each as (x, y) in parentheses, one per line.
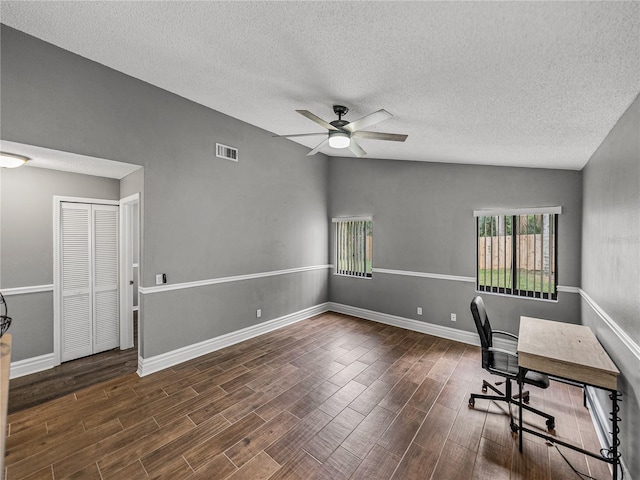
(5, 361)
(571, 352)
(565, 350)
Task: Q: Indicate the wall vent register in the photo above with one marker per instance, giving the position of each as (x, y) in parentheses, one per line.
(226, 152)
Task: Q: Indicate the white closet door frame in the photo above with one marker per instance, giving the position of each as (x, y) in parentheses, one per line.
(126, 262)
(57, 270)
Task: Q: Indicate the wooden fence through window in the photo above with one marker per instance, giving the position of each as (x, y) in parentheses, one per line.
(495, 252)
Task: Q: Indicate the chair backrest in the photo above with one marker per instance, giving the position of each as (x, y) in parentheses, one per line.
(483, 326)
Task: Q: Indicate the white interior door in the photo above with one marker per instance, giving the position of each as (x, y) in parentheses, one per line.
(75, 241)
(89, 267)
(106, 318)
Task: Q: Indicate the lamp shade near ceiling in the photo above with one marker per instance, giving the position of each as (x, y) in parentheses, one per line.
(11, 160)
(339, 139)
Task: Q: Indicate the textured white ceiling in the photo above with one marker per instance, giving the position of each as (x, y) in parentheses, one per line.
(536, 84)
(69, 162)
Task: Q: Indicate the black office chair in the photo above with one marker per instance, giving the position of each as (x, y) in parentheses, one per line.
(505, 364)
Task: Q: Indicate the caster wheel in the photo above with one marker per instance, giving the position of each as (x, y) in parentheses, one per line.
(472, 402)
(551, 425)
(484, 389)
(514, 427)
(526, 399)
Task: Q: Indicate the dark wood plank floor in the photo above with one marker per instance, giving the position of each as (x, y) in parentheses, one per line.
(329, 398)
(69, 377)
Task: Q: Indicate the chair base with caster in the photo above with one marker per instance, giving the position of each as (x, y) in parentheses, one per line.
(504, 363)
(508, 397)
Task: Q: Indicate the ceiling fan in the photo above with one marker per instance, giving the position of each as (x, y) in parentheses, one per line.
(343, 134)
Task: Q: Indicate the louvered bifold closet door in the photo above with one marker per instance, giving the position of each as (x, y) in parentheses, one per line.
(106, 313)
(77, 323)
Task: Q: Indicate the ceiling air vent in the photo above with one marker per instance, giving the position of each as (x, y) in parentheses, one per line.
(228, 153)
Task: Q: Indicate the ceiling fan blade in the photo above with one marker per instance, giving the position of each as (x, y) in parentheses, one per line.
(367, 120)
(356, 149)
(300, 135)
(316, 119)
(317, 149)
(393, 137)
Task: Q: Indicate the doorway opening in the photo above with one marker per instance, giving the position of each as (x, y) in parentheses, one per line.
(96, 275)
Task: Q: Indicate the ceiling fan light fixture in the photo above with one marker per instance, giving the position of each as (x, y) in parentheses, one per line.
(12, 160)
(339, 139)
(341, 131)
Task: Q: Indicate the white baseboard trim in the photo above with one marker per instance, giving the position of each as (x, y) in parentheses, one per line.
(28, 366)
(599, 413)
(599, 418)
(463, 336)
(602, 424)
(147, 366)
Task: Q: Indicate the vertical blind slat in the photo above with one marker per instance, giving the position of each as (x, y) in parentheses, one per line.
(526, 252)
(363, 249)
(535, 247)
(552, 255)
(360, 250)
(493, 233)
(514, 253)
(504, 252)
(357, 248)
(485, 250)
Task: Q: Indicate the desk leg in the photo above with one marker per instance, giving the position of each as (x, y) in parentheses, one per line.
(615, 440)
(520, 382)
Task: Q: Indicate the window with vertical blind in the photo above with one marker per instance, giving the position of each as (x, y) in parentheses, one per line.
(517, 252)
(354, 246)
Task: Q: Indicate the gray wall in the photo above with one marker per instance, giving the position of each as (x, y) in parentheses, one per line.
(132, 183)
(423, 222)
(26, 246)
(203, 217)
(611, 263)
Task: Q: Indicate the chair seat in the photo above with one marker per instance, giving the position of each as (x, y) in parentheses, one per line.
(503, 364)
(537, 379)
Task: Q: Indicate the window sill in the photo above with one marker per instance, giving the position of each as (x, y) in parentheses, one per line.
(516, 297)
(351, 276)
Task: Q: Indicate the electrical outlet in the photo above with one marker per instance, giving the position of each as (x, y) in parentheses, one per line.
(419, 310)
(161, 278)
(258, 313)
(453, 317)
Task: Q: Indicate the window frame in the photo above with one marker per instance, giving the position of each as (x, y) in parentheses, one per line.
(554, 213)
(337, 250)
